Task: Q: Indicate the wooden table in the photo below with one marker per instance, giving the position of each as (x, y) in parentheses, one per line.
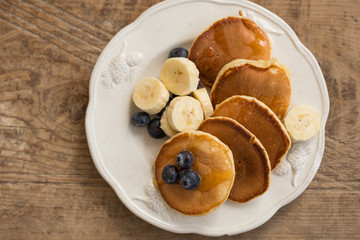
(49, 187)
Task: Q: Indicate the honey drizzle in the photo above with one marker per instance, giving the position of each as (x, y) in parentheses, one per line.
(213, 179)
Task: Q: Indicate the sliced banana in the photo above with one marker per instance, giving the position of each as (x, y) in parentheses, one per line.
(185, 113)
(180, 75)
(302, 123)
(150, 95)
(165, 126)
(203, 97)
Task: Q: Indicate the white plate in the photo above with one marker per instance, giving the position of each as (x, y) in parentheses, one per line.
(124, 154)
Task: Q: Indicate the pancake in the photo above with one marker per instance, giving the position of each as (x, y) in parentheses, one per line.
(225, 40)
(213, 161)
(252, 166)
(259, 120)
(268, 81)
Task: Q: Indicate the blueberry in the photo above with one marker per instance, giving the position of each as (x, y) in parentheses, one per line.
(200, 85)
(189, 179)
(185, 159)
(170, 174)
(154, 129)
(140, 119)
(178, 52)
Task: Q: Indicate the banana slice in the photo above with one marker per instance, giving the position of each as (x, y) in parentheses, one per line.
(302, 123)
(203, 97)
(165, 126)
(150, 95)
(184, 113)
(180, 75)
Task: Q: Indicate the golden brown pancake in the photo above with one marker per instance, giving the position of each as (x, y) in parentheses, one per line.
(268, 81)
(252, 166)
(225, 40)
(213, 161)
(259, 120)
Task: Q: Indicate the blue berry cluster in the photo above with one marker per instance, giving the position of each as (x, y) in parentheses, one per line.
(142, 119)
(187, 178)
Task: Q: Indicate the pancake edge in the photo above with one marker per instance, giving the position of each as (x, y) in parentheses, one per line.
(258, 147)
(271, 114)
(241, 17)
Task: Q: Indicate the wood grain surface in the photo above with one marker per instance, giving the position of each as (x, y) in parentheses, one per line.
(49, 187)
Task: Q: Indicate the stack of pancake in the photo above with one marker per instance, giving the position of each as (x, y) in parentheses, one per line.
(250, 93)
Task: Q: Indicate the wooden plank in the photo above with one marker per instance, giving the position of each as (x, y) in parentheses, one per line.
(49, 187)
(93, 212)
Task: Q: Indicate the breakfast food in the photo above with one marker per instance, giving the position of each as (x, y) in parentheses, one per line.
(180, 75)
(268, 81)
(213, 162)
(225, 40)
(178, 52)
(150, 95)
(154, 129)
(259, 120)
(203, 97)
(188, 178)
(165, 125)
(140, 119)
(302, 122)
(231, 153)
(184, 113)
(252, 166)
(176, 99)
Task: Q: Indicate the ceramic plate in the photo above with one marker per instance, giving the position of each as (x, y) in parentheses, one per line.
(124, 154)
